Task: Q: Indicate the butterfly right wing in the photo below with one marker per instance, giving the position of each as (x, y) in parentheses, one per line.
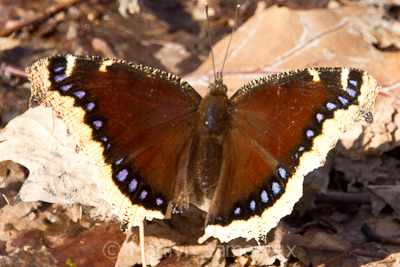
(282, 128)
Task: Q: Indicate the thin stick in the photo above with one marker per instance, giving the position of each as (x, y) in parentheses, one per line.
(230, 40)
(4, 196)
(209, 38)
(12, 70)
(141, 238)
(343, 198)
(374, 237)
(45, 14)
(344, 253)
(358, 253)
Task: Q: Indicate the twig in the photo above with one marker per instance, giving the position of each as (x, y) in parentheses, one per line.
(358, 253)
(40, 17)
(371, 237)
(5, 197)
(13, 70)
(344, 198)
(374, 237)
(142, 249)
(344, 254)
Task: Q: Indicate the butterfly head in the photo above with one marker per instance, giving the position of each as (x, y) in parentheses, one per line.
(217, 87)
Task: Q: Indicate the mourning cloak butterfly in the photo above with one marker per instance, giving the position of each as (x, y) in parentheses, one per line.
(160, 146)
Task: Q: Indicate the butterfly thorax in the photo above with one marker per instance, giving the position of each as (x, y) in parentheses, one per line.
(207, 153)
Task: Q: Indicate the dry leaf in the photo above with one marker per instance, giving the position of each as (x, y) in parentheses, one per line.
(389, 195)
(323, 246)
(280, 39)
(378, 28)
(57, 174)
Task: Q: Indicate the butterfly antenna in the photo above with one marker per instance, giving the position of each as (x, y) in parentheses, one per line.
(230, 40)
(209, 38)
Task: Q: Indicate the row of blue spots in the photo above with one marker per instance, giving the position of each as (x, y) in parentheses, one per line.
(330, 106)
(133, 184)
(350, 91)
(276, 189)
(80, 95)
(59, 78)
(310, 134)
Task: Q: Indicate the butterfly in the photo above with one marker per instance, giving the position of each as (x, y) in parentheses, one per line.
(160, 146)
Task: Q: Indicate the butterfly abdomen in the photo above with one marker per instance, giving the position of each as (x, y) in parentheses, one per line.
(207, 152)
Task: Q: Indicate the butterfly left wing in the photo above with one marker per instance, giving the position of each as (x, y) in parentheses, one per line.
(135, 122)
(282, 128)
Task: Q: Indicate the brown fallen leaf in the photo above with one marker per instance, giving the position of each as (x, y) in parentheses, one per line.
(391, 260)
(269, 253)
(382, 195)
(157, 245)
(96, 246)
(323, 246)
(280, 39)
(378, 28)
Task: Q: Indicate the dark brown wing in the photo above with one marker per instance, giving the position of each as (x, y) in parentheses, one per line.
(282, 128)
(136, 122)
